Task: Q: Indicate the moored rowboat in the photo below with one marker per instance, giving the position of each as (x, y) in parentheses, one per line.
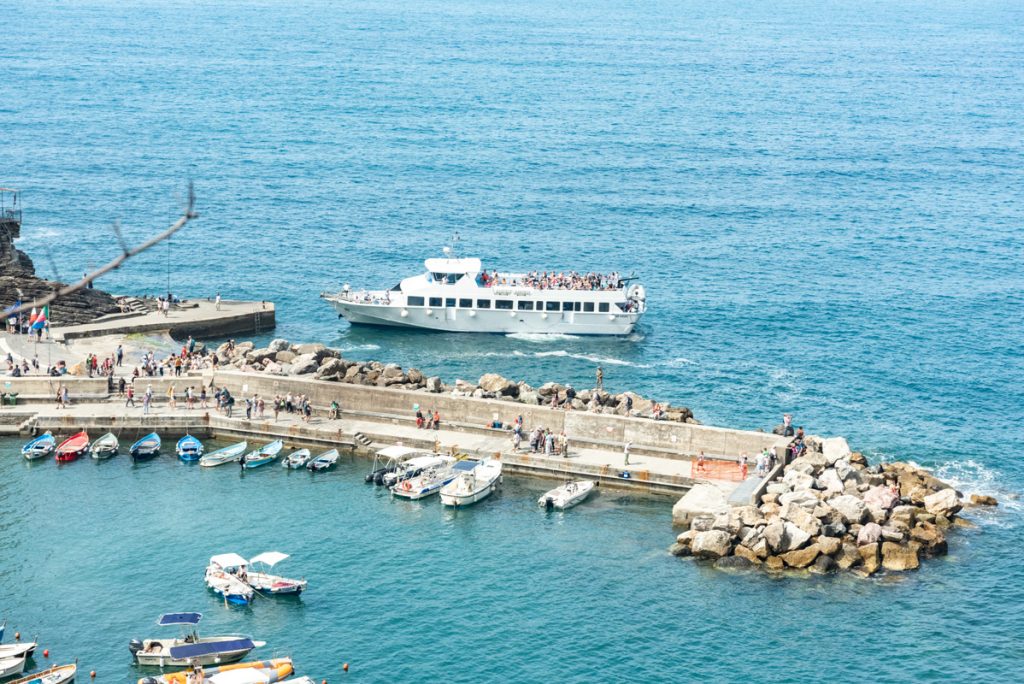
(105, 447)
(58, 674)
(146, 448)
(326, 460)
(225, 455)
(73, 447)
(40, 447)
(262, 456)
(189, 448)
(296, 459)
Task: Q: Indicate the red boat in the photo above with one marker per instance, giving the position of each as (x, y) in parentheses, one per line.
(73, 447)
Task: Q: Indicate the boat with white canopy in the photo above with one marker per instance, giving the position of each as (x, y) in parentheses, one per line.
(568, 495)
(260, 579)
(415, 466)
(389, 459)
(474, 480)
(226, 577)
(428, 481)
(189, 647)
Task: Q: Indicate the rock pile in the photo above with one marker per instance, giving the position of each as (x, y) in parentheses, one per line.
(281, 357)
(832, 511)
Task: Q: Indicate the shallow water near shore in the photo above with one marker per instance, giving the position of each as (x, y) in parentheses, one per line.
(822, 198)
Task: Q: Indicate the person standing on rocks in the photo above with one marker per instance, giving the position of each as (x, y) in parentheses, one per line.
(625, 451)
(216, 302)
(600, 378)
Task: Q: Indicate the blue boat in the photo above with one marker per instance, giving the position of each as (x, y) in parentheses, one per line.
(189, 448)
(40, 447)
(146, 448)
(262, 456)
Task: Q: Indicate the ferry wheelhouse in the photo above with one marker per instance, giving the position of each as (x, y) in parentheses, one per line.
(458, 295)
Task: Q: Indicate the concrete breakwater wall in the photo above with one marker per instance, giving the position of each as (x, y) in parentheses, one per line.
(662, 438)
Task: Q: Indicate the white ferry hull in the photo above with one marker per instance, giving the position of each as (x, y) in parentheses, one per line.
(489, 321)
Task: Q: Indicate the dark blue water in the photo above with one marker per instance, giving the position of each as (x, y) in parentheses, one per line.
(823, 199)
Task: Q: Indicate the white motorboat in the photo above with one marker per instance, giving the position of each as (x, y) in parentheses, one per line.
(388, 460)
(474, 480)
(262, 581)
(568, 495)
(324, 461)
(459, 295)
(414, 467)
(9, 667)
(296, 459)
(226, 577)
(428, 482)
(189, 648)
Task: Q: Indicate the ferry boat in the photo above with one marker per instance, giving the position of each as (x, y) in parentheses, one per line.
(459, 295)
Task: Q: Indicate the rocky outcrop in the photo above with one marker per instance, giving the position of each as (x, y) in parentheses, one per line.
(830, 511)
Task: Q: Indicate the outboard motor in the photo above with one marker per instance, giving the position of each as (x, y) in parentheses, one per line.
(135, 646)
(549, 503)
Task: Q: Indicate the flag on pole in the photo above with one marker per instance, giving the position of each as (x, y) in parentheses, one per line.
(32, 316)
(40, 321)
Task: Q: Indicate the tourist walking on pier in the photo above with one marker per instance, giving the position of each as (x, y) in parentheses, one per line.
(60, 397)
(563, 445)
(130, 393)
(119, 354)
(147, 399)
(625, 452)
(517, 439)
(172, 402)
(216, 302)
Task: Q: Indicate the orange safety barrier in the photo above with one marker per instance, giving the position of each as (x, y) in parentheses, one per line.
(717, 470)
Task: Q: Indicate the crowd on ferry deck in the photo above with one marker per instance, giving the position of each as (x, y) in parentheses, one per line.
(555, 281)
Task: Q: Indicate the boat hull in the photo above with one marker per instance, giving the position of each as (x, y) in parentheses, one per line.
(489, 321)
(162, 658)
(59, 674)
(103, 452)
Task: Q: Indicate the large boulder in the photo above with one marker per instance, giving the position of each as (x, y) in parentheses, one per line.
(748, 515)
(834, 449)
(799, 516)
(801, 558)
(880, 497)
(279, 345)
(748, 553)
(434, 384)
(847, 556)
(330, 367)
(734, 563)
(830, 481)
(983, 500)
(869, 556)
(851, 508)
(829, 545)
(712, 544)
(792, 538)
(549, 388)
(259, 355)
(285, 356)
(900, 557)
(870, 533)
(496, 384)
(306, 363)
(824, 565)
(315, 348)
(798, 480)
(805, 498)
(943, 502)
(415, 376)
(529, 397)
(702, 499)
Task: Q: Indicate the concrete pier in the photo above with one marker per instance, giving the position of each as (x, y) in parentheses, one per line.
(199, 318)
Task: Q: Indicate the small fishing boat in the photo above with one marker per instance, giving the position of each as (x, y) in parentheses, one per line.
(146, 448)
(324, 461)
(9, 667)
(388, 460)
(262, 581)
(105, 447)
(225, 575)
(73, 447)
(474, 480)
(58, 674)
(226, 455)
(428, 482)
(296, 459)
(18, 650)
(414, 467)
(568, 495)
(255, 672)
(40, 447)
(189, 448)
(189, 647)
(262, 456)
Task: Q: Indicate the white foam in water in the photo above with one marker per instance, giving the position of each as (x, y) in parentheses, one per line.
(970, 477)
(362, 347)
(603, 360)
(541, 337)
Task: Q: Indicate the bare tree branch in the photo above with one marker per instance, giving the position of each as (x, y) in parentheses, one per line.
(128, 253)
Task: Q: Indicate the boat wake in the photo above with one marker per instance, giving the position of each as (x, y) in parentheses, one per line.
(541, 337)
(603, 360)
(361, 347)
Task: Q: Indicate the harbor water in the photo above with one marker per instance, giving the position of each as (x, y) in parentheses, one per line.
(823, 200)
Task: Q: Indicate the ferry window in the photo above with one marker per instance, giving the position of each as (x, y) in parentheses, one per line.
(588, 306)
(466, 303)
(566, 306)
(435, 301)
(503, 304)
(552, 306)
(483, 303)
(603, 307)
(577, 306)
(450, 302)
(416, 301)
(525, 305)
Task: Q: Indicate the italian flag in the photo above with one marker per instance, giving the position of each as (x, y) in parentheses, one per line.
(39, 321)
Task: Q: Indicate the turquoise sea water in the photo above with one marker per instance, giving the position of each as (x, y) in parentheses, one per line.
(823, 199)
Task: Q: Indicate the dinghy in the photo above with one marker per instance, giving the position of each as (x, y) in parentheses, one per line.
(262, 581)
(105, 447)
(296, 459)
(568, 495)
(9, 667)
(225, 455)
(40, 447)
(189, 647)
(326, 460)
(225, 576)
(73, 447)
(474, 480)
(146, 448)
(255, 672)
(262, 456)
(58, 674)
(428, 482)
(189, 448)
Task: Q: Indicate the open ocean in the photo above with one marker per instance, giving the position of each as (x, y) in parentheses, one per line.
(823, 198)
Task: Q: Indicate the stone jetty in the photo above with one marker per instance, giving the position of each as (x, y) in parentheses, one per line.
(281, 357)
(828, 510)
